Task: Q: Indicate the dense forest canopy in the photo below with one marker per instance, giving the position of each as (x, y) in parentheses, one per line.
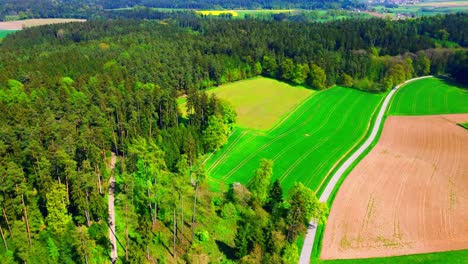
(90, 8)
(71, 94)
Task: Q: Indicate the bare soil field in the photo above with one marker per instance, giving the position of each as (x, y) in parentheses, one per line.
(20, 24)
(409, 195)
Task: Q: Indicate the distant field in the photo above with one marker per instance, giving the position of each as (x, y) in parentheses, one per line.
(443, 3)
(242, 13)
(20, 24)
(424, 8)
(218, 12)
(306, 146)
(429, 97)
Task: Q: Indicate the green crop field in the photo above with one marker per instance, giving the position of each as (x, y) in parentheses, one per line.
(452, 257)
(305, 146)
(429, 97)
(4, 33)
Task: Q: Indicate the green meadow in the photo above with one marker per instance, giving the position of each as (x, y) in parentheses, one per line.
(4, 33)
(306, 145)
(452, 257)
(429, 96)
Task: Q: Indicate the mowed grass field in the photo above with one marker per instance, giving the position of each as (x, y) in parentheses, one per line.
(260, 102)
(429, 96)
(305, 146)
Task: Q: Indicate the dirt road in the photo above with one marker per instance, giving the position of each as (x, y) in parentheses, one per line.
(112, 238)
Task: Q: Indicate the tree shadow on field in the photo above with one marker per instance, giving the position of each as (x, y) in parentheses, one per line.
(226, 249)
(452, 82)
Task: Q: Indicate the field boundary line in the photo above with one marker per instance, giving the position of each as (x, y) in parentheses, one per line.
(306, 251)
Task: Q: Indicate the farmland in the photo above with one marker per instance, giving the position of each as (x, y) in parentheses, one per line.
(306, 146)
(20, 24)
(379, 210)
(429, 97)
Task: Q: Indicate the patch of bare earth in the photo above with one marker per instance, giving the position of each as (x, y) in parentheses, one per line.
(20, 24)
(409, 195)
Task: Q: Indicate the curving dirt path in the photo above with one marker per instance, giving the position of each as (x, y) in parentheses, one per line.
(312, 229)
(408, 196)
(112, 238)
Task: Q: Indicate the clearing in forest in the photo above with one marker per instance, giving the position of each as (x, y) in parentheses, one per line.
(20, 24)
(305, 146)
(408, 196)
(260, 102)
(429, 97)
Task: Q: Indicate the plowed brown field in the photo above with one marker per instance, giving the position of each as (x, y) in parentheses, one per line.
(408, 195)
(20, 24)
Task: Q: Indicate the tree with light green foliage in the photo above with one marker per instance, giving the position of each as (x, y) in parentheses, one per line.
(317, 77)
(261, 181)
(300, 72)
(57, 216)
(422, 64)
(287, 69)
(290, 254)
(215, 135)
(304, 206)
(14, 93)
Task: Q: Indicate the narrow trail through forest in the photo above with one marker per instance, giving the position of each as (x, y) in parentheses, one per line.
(112, 238)
(306, 251)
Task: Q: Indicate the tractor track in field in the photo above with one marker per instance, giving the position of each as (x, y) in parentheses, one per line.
(322, 142)
(243, 162)
(227, 151)
(350, 149)
(310, 134)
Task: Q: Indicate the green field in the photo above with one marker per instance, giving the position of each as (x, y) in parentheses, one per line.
(259, 102)
(429, 97)
(4, 33)
(452, 257)
(305, 146)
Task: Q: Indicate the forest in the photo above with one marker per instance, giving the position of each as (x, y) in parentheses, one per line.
(73, 94)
